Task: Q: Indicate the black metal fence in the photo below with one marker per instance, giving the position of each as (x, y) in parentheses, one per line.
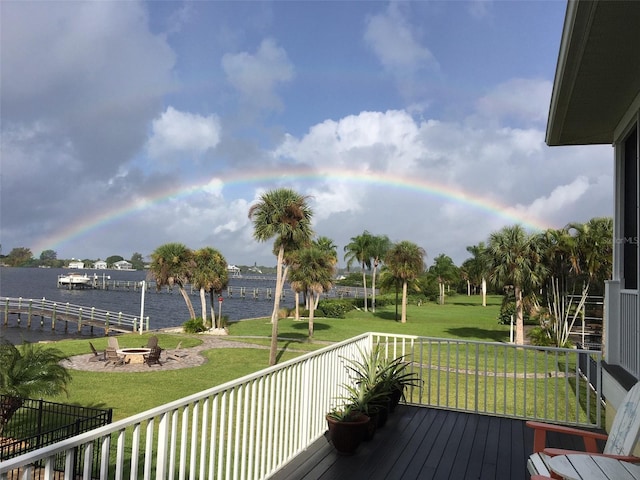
(38, 423)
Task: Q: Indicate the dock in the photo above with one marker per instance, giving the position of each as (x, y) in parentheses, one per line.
(42, 310)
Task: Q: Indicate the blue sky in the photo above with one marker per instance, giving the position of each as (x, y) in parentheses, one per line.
(126, 125)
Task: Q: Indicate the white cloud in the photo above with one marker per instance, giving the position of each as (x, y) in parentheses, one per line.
(395, 43)
(559, 199)
(257, 76)
(523, 100)
(183, 132)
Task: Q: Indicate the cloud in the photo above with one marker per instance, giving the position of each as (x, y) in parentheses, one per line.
(257, 76)
(183, 132)
(525, 101)
(558, 200)
(395, 44)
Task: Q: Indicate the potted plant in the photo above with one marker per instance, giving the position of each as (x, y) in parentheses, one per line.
(347, 428)
(396, 375)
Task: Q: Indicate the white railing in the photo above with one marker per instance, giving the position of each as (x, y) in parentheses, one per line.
(68, 312)
(249, 428)
(629, 331)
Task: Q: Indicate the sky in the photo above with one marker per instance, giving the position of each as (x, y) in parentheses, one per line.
(126, 125)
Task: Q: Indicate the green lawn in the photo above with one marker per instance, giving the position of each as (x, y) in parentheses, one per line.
(129, 393)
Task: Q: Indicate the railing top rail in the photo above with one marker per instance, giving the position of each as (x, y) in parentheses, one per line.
(43, 302)
(480, 342)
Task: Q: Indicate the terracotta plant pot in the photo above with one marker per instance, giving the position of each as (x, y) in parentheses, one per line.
(347, 435)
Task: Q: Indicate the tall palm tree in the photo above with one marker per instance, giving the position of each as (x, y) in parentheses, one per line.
(173, 264)
(594, 245)
(28, 371)
(380, 244)
(515, 260)
(477, 268)
(445, 271)
(312, 271)
(210, 275)
(405, 261)
(285, 215)
(359, 250)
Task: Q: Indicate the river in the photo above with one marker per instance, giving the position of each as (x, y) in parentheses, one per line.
(164, 309)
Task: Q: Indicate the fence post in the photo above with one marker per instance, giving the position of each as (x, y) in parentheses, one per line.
(79, 319)
(6, 312)
(19, 307)
(42, 312)
(53, 316)
(29, 313)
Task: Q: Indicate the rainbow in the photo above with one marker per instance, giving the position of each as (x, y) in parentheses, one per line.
(269, 178)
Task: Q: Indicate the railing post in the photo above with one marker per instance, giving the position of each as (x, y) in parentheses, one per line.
(6, 312)
(53, 316)
(79, 319)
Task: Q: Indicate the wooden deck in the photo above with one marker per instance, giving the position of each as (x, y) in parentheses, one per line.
(427, 443)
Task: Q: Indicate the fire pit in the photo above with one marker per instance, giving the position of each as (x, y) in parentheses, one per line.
(134, 355)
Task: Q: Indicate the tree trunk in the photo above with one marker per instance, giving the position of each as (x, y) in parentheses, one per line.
(297, 306)
(276, 307)
(311, 312)
(484, 292)
(364, 284)
(203, 307)
(213, 313)
(373, 287)
(519, 316)
(187, 300)
(403, 315)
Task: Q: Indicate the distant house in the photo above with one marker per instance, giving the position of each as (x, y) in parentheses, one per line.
(100, 265)
(123, 265)
(596, 100)
(76, 264)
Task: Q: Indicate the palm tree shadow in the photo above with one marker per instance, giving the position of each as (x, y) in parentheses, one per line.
(305, 325)
(387, 315)
(478, 333)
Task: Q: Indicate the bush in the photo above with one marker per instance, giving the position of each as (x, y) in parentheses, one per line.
(508, 308)
(194, 325)
(539, 336)
(337, 308)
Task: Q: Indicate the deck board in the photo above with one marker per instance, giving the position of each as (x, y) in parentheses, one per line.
(427, 443)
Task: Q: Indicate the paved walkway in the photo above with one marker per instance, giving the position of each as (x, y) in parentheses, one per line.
(189, 357)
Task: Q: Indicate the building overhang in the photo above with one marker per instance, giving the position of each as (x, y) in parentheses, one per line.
(598, 71)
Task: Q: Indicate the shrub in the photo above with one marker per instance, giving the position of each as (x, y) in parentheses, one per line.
(194, 325)
(540, 336)
(335, 308)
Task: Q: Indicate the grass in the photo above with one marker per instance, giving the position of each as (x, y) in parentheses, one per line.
(130, 393)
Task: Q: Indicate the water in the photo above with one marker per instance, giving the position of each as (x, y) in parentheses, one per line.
(163, 309)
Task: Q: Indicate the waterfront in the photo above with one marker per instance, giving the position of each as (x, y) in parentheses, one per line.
(164, 309)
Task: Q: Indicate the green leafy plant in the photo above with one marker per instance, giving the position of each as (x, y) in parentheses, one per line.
(194, 325)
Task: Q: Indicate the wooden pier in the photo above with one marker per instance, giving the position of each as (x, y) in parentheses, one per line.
(256, 293)
(39, 310)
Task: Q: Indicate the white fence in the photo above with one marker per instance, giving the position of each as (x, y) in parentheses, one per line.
(250, 427)
(67, 312)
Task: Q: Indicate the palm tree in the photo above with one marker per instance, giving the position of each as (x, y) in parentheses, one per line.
(285, 215)
(594, 245)
(359, 250)
(515, 260)
(173, 264)
(477, 268)
(380, 244)
(29, 371)
(312, 271)
(445, 271)
(210, 275)
(405, 261)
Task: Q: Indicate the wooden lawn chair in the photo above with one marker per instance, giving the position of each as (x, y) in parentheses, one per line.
(112, 358)
(153, 357)
(97, 356)
(152, 342)
(113, 343)
(176, 353)
(620, 443)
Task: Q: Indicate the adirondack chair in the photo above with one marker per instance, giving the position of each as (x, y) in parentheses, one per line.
(177, 353)
(152, 342)
(113, 358)
(153, 357)
(97, 356)
(620, 443)
(113, 343)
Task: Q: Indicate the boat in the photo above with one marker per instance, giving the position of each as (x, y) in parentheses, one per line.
(234, 272)
(75, 279)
